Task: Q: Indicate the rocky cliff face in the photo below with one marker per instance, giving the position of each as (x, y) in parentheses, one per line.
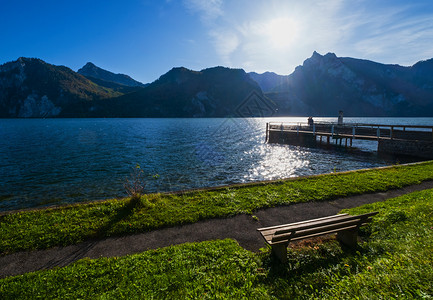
(323, 85)
(31, 88)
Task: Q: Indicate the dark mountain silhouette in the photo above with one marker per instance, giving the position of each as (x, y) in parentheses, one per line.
(268, 80)
(30, 87)
(323, 85)
(214, 92)
(116, 87)
(93, 72)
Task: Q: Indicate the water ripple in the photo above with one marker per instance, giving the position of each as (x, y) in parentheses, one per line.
(70, 160)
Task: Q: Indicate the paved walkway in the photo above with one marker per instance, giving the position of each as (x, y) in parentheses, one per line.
(241, 228)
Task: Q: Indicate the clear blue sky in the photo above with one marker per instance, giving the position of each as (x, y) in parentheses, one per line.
(145, 39)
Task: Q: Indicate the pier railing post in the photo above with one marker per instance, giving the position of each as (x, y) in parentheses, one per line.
(267, 132)
(332, 131)
(314, 129)
(353, 132)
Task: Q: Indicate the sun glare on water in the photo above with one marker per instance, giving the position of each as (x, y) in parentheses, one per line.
(282, 32)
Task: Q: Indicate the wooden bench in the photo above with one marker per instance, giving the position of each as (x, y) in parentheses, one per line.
(346, 227)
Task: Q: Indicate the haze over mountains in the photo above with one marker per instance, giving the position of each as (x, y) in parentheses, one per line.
(321, 86)
(326, 84)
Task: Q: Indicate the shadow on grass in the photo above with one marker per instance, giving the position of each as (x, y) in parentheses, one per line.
(122, 214)
(309, 264)
(86, 246)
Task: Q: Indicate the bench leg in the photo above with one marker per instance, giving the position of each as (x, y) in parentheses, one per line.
(348, 237)
(280, 251)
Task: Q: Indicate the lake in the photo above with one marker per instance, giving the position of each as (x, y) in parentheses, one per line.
(55, 161)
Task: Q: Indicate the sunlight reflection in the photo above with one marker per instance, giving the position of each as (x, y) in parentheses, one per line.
(276, 162)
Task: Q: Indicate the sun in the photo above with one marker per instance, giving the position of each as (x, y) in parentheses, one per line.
(282, 32)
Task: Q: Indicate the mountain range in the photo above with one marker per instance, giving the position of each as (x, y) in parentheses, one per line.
(212, 92)
(321, 86)
(118, 82)
(93, 72)
(29, 87)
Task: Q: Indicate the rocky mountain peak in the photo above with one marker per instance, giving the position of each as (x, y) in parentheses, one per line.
(317, 59)
(328, 64)
(91, 70)
(177, 74)
(316, 54)
(88, 67)
(330, 56)
(314, 59)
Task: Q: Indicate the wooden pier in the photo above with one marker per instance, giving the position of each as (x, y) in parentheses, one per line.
(410, 140)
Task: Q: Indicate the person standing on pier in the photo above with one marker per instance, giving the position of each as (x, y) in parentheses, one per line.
(340, 117)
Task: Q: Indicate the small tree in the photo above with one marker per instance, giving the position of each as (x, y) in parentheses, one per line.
(135, 183)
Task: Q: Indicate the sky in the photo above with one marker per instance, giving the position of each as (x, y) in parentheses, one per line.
(145, 39)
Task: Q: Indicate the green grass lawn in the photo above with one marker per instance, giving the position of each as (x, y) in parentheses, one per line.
(72, 224)
(394, 261)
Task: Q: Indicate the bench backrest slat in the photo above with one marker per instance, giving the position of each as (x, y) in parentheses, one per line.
(302, 222)
(342, 219)
(318, 229)
(268, 232)
(316, 234)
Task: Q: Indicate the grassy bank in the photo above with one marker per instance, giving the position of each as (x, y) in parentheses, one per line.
(395, 261)
(72, 224)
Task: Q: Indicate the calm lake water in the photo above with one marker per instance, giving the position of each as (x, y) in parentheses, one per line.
(54, 161)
